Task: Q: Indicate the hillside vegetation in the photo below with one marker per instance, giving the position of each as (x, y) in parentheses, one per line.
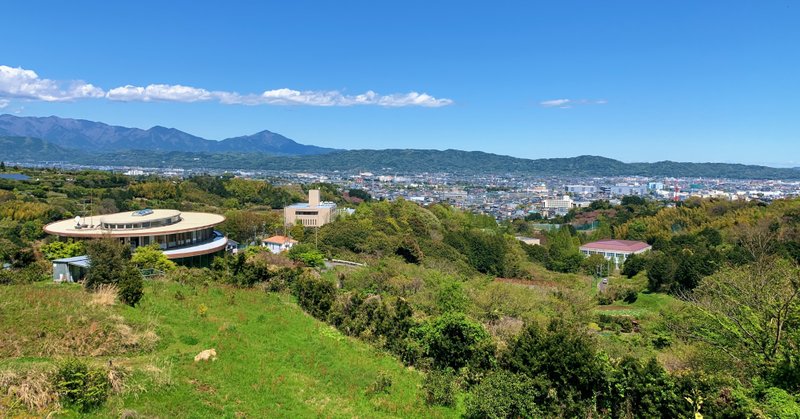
(273, 359)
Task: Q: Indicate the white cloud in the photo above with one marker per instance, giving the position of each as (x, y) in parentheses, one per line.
(162, 92)
(26, 84)
(4, 103)
(331, 98)
(568, 103)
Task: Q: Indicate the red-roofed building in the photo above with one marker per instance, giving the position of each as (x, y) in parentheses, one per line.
(277, 244)
(616, 250)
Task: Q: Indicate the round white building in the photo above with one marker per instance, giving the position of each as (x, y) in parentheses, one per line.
(188, 238)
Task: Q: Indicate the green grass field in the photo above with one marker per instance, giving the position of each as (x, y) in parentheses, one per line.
(273, 359)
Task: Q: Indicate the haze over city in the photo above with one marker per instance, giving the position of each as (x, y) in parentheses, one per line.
(710, 81)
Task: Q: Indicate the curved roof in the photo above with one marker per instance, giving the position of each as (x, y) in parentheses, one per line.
(190, 221)
(131, 217)
(216, 244)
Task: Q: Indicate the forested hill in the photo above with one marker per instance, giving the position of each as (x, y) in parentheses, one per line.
(400, 160)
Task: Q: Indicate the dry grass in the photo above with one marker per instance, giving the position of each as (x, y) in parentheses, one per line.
(105, 295)
(32, 391)
(62, 320)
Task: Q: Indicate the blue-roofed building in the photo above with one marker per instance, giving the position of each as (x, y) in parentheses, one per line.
(70, 269)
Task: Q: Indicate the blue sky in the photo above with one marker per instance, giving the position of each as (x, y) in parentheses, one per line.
(631, 80)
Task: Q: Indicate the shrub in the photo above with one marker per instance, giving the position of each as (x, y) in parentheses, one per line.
(440, 388)
(306, 254)
(316, 295)
(382, 384)
(131, 287)
(777, 403)
(604, 299)
(503, 394)
(629, 295)
(80, 386)
(151, 257)
(563, 354)
(454, 341)
(633, 265)
(111, 264)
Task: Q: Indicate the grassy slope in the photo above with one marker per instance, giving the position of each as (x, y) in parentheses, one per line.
(274, 360)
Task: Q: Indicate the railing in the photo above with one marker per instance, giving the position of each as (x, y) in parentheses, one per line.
(345, 262)
(150, 273)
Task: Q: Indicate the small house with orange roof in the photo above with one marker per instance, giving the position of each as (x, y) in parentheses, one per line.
(278, 244)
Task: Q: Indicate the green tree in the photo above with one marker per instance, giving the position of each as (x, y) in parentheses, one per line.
(454, 341)
(503, 394)
(307, 254)
(565, 355)
(748, 313)
(563, 253)
(316, 295)
(63, 249)
(151, 257)
(595, 265)
(110, 263)
(660, 271)
(633, 265)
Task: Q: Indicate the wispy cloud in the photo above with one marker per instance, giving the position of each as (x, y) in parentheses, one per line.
(4, 103)
(19, 83)
(568, 103)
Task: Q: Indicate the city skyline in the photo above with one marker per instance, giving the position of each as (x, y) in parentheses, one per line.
(623, 80)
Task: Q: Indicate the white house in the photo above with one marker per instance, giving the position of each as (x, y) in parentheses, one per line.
(277, 244)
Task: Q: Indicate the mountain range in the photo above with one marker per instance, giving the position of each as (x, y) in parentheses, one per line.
(53, 139)
(79, 134)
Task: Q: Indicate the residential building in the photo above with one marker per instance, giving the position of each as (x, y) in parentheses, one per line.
(616, 251)
(315, 213)
(278, 244)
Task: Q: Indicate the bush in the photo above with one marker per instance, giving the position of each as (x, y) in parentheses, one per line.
(504, 395)
(563, 354)
(316, 295)
(629, 295)
(633, 265)
(454, 341)
(382, 384)
(440, 388)
(111, 264)
(131, 287)
(306, 254)
(604, 299)
(777, 403)
(80, 386)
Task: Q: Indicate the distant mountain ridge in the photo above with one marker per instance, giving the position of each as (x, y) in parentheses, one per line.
(22, 149)
(79, 134)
